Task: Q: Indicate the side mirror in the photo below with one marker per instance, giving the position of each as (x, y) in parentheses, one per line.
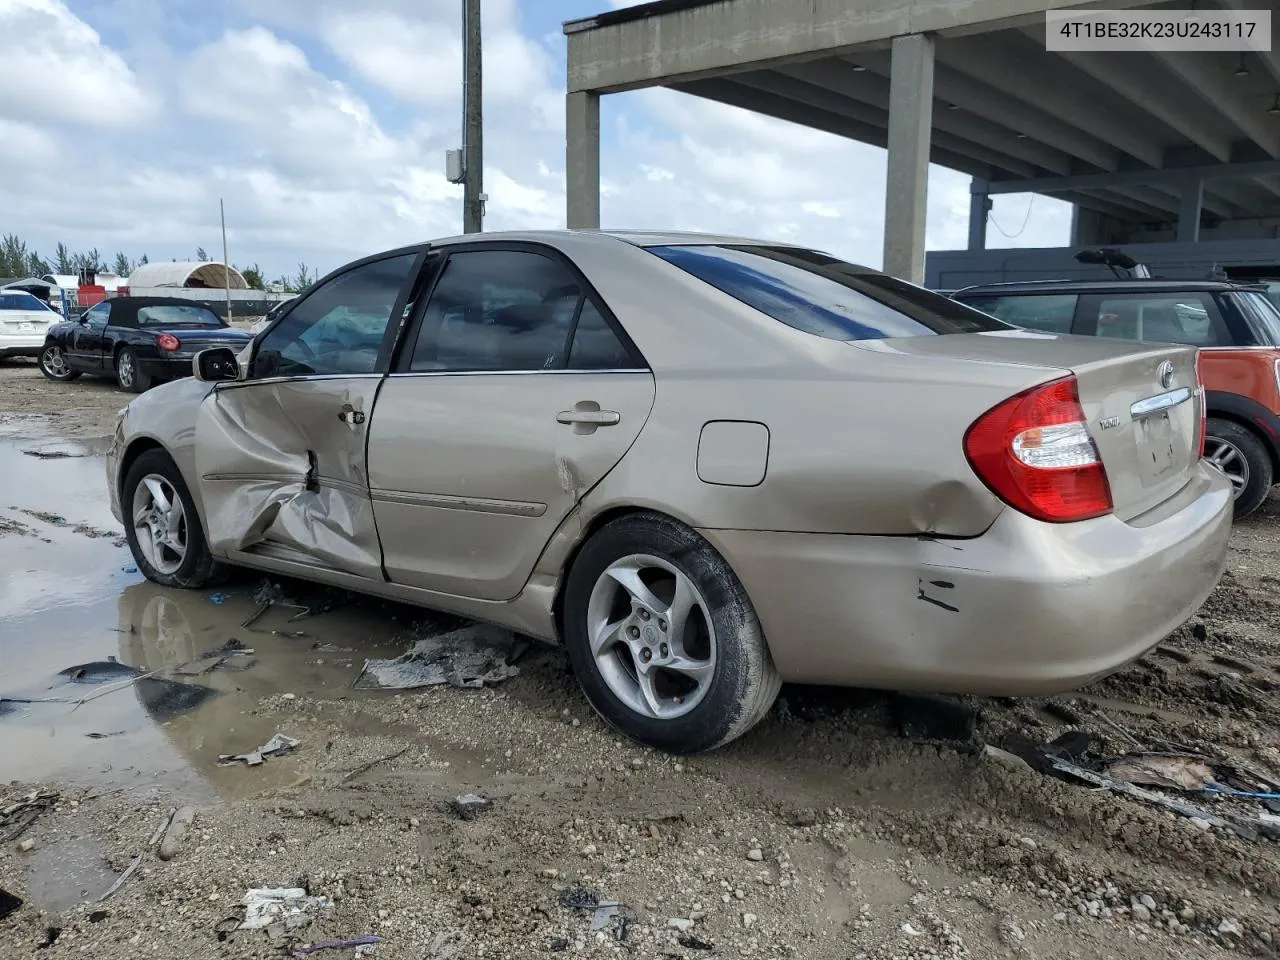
(216, 364)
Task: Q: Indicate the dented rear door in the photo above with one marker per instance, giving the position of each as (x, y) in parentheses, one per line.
(281, 455)
(515, 396)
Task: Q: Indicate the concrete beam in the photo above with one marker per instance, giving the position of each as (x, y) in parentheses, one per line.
(1094, 181)
(1032, 77)
(1118, 210)
(699, 41)
(1166, 103)
(582, 160)
(1216, 205)
(1209, 75)
(873, 89)
(907, 181)
(979, 211)
(735, 95)
(1248, 197)
(1269, 58)
(771, 81)
(1143, 211)
(1000, 107)
(1189, 211)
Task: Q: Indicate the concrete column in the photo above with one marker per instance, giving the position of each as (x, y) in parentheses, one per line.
(582, 160)
(1189, 211)
(906, 189)
(979, 207)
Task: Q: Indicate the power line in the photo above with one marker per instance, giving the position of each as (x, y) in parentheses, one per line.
(1025, 220)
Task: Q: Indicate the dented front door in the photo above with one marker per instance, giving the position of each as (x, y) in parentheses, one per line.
(281, 455)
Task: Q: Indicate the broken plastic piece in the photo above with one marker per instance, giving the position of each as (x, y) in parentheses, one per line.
(604, 913)
(278, 744)
(264, 906)
(470, 657)
(336, 945)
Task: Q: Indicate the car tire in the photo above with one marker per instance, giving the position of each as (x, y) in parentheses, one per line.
(129, 375)
(53, 364)
(723, 682)
(1242, 456)
(192, 566)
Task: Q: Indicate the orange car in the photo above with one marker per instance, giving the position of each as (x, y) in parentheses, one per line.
(1236, 327)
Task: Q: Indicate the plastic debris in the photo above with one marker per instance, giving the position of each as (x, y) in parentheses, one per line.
(336, 945)
(578, 898)
(218, 598)
(8, 903)
(265, 906)
(469, 657)
(604, 913)
(278, 744)
(120, 881)
(1157, 770)
(469, 805)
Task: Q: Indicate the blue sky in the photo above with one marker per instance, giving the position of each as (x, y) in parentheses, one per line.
(323, 125)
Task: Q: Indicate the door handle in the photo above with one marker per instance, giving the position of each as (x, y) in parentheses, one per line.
(350, 415)
(596, 418)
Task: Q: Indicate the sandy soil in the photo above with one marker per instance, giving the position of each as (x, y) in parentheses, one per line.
(822, 834)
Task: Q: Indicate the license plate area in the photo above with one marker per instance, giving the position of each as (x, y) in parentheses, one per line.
(1157, 456)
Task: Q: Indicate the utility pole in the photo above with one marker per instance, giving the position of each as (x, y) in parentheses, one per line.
(472, 120)
(226, 264)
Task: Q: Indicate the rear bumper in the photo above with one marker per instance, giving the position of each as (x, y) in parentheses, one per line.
(1026, 609)
(22, 346)
(165, 368)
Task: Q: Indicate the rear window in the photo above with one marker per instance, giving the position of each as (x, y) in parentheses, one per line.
(1051, 313)
(821, 295)
(169, 314)
(20, 301)
(1191, 318)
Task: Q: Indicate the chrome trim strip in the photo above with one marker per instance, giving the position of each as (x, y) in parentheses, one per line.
(507, 373)
(233, 384)
(1163, 401)
(513, 508)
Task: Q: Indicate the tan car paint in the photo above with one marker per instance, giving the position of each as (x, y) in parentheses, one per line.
(866, 502)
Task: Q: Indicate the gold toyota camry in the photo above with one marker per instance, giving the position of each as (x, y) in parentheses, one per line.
(705, 465)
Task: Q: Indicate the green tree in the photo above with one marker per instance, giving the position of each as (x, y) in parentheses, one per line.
(13, 256)
(300, 280)
(36, 267)
(253, 277)
(63, 260)
(143, 260)
(123, 267)
(201, 255)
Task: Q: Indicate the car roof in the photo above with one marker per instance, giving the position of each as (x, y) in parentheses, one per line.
(1106, 286)
(640, 238)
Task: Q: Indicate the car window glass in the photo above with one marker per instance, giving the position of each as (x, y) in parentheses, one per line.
(595, 345)
(1051, 313)
(339, 327)
(1190, 318)
(497, 310)
(99, 315)
(168, 314)
(821, 295)
(20, 301)
(1265, 314)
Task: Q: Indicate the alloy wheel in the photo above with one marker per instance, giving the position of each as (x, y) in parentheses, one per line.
(1228, 458)
(55, 362)
(160, 523)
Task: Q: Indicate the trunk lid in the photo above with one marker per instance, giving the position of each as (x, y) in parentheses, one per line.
(20, 321)
(194, 338)
(1141, 400)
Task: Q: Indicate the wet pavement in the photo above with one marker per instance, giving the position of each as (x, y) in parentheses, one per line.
(73, 602)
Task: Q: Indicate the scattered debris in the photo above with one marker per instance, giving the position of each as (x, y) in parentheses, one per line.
(26, 846)
(97, 916)
(17, 815)
(604, 913)
(264, 906)
(51, 935)
(559, 945)
(120, 882)
(690, 942)
(578, 898)
(279, 744)
(469, 657)
(219, 598)
(8, 903)
(104, 736)
(176, 832)
(336, 945)
(933, 718)
(1006, 759)
(100, 671)
(130, 568)
(160, 830)
(366, 767)
(1159, 770)
(51, 454)
(470, 805)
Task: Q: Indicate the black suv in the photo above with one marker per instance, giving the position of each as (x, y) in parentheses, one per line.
(1235, 325)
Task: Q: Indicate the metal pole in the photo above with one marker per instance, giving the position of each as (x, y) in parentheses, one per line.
(226, 264)
(472, 120)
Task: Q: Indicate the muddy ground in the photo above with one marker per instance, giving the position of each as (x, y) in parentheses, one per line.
(824, 833)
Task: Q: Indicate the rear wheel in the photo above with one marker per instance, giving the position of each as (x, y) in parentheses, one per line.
(663, 638)
(162, 526)
(1239, 453)
(128, 374)
(54, 365)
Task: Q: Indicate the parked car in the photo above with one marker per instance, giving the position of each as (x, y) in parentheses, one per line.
(24, 320)
(138, 340)
(1236, 328)
(705, 465)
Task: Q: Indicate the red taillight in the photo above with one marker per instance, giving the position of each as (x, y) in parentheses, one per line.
(1204, 402)
(1035, 453)
(168, 342)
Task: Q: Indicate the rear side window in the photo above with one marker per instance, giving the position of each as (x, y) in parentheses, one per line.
(826, 297)
(1051, 313)
(1190, 318)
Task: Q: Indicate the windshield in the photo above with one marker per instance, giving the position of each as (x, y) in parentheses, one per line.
(826, 297)
(165, 315)
(18, 300)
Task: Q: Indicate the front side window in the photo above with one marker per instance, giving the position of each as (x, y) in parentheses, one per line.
(498, 310)
(818, 294)
(1051, 313)
(1189, 318)
(340, 327)
(99, 315)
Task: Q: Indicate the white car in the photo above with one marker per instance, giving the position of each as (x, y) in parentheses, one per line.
(24, 319)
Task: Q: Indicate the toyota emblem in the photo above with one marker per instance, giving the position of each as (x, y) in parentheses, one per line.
(1166, 373)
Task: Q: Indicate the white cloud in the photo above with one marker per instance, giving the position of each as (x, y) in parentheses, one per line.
(55, 67)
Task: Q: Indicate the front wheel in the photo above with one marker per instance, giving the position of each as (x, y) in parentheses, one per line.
(128, 374)
(162, 526)
(1239, 453)
(663, 638)
(54, 365)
